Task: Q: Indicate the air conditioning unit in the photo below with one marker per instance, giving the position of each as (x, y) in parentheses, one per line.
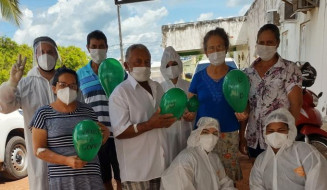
(304, 5)
(273, 17)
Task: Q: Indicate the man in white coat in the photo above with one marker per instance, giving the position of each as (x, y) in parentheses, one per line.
(197, 167)
(287, 164)
(137, 124)
(30, 93)
(171, 69)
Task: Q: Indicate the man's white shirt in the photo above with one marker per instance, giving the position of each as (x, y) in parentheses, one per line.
(143, 157)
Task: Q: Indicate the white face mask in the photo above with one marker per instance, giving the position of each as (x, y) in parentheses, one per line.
(276, 140)
(98, 55)
(208, 142)
(46, 62)
(67, 95)
(173, 72)
(141, 74)
(217, 58)
(265, 52)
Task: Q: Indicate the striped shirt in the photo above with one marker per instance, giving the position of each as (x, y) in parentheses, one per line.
(59, 127)
(94, 94)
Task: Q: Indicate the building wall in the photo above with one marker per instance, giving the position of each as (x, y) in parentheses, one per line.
(187, 37)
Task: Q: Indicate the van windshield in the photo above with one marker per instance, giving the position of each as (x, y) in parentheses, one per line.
(202, 66)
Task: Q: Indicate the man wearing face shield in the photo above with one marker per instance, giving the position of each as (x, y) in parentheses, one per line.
(30, 93)
(197, 167)
(287, 164)
(95, 96)
(275, 83)
(171, 69)
(137, 124)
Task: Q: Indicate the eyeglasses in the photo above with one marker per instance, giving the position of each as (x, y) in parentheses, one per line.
(216, 48)
(64, 85)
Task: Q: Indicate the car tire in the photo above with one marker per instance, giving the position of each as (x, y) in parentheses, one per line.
(15, 159)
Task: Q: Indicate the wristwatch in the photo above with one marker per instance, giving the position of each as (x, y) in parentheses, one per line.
(135, 128)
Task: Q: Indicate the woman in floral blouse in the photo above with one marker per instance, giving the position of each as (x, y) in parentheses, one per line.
(275, 83)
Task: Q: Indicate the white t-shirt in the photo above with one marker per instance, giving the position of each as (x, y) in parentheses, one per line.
(143, 157)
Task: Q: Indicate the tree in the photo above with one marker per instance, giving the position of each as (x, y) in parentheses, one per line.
(72, 57)
(10, 11)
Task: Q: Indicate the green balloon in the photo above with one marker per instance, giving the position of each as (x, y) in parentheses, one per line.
(111, 74)
(193, 104)
(236, 89)
(173, 101)
(87, 138)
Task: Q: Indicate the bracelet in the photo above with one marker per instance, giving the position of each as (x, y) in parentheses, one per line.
(135, 128)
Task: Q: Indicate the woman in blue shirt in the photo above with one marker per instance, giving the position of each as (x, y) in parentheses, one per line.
(207, 86)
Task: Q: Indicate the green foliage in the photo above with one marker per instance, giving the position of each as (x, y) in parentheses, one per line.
(71, 56)
(10, 11)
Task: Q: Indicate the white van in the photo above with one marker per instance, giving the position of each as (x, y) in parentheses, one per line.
(205, 63)
(13, 154)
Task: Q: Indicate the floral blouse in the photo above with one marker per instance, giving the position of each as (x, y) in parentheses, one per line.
(268, 94)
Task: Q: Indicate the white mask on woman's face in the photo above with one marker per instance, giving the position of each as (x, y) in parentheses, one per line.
(67, 95)
(217, 58)
(98, 55)
(276, 140)
(265, 52)
(173, 72)
(141, 74)
(46, 62)
(208, 141)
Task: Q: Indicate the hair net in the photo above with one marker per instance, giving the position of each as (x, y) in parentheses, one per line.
(37, 44)
(170, 54)
(203, 123)
(284, 116)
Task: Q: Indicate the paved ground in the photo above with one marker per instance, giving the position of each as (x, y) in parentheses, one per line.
(23, 183)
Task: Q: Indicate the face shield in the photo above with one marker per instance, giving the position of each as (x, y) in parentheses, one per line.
(45, 54)
(284, 116)
(171, 72)
(203, 123)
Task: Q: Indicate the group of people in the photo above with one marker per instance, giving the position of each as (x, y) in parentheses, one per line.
(147, 150)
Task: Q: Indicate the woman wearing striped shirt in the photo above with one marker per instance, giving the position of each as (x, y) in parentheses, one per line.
(52, 129)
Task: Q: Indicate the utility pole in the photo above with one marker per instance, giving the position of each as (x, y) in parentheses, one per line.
(120, 36)
(118, 3)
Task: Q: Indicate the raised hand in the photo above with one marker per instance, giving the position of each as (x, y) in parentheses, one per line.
(17, 71)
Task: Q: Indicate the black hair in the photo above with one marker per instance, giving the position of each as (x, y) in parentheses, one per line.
(96, 34)
(273, 28)
(135, 46)
(44, 39)
(216, 32)
(63, 70)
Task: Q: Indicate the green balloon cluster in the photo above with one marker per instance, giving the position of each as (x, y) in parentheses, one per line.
(111, 74)
(236, 89)
(193, 104)
(173, 101)
(87, 138)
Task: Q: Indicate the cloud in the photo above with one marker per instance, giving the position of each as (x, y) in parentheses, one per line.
(235, 3)
(205, 16)
(244, 9)
(179, 21)
(69, 22)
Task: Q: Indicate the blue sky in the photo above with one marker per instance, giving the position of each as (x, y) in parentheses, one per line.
(69, 21)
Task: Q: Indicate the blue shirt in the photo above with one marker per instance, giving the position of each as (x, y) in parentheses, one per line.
(212, 101)
(93, 93)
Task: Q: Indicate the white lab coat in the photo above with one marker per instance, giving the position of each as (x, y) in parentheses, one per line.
(194, 169)
(181, 129)
(296, 166)
(32, 92)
